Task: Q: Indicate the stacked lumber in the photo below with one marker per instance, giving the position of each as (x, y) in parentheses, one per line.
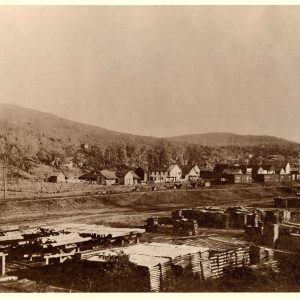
(260, 254)
(160, 260)
(48, 241)
(152, 266)
(166, 272)
(205, 266)
(270, 233)
(196, 264)
(228, 261)
(287, 202)
(208, 217)
(216, 217)
(10, 236)
(185, 227)
(271, 216)
(238, 216)
(62, 240)
(289, 241)
(253, 234)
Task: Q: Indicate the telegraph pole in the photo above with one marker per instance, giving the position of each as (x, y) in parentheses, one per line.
(4, 182)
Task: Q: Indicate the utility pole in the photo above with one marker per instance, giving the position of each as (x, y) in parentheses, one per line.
(4, 182)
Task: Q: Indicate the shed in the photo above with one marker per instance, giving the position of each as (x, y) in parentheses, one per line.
(57, 177)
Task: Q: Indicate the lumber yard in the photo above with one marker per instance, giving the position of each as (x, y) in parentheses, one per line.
(200, 244)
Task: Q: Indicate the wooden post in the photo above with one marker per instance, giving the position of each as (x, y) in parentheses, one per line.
(3, 265)
(4, 182)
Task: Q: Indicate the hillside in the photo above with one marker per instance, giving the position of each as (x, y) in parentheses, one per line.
(32, 141)
(229, 139)
(35, 123)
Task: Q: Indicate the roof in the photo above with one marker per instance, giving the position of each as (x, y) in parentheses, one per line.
(276, 163)
(56, 173)
(295, 169)
(171, 167)
(121, 174)
(233, 171)
(187, 168)
(92, 175)
(108, 174)
(267, 167)
(221, 167)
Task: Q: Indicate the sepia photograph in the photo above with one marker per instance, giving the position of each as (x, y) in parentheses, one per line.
(149, 149)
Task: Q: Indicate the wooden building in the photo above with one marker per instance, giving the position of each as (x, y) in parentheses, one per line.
(107, 177)
(142, 173)
(191, 172)
(235, 176)
(161, 175)
(127, 178)
(57, 177)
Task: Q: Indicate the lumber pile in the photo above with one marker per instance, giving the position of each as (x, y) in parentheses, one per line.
(287, 202)
(228, 261)
(289, 237)
(185, 227)
(161, 261)
(215, 217)
(193, 258)
(57, 241)
(270, 234)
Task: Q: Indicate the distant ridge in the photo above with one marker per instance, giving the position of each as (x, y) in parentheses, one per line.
(30, 122)
(230, 139)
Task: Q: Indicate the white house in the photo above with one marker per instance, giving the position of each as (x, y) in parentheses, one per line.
(174, 173)
(128, 178)
(191, 173)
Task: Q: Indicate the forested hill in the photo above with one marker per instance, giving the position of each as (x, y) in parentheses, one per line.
(29, 138)
(230, 139)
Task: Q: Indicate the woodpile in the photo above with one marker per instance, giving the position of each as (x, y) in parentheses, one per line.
(61, 242)
(254, 234)
(287, 202)
(215, 217)
(270, 234)
(289, 237)
(161, 261)
(185, 227)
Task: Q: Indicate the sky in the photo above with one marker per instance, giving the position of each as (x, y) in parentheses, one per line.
(156, 70)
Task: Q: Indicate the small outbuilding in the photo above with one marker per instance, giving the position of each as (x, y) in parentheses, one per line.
(57, 177)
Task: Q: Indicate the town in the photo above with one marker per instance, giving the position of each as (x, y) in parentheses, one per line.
(149, 149)
(266, 171)
(190, 248)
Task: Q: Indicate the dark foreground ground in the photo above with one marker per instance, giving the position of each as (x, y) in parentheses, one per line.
(131, 209)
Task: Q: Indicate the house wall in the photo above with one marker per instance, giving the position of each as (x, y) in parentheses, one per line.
(268, 178)
(285, 177)
(158, 176)
(193, 174)
(288, 168)
(129, 179)
(61, 178)
(103, 180)
(175, 173)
